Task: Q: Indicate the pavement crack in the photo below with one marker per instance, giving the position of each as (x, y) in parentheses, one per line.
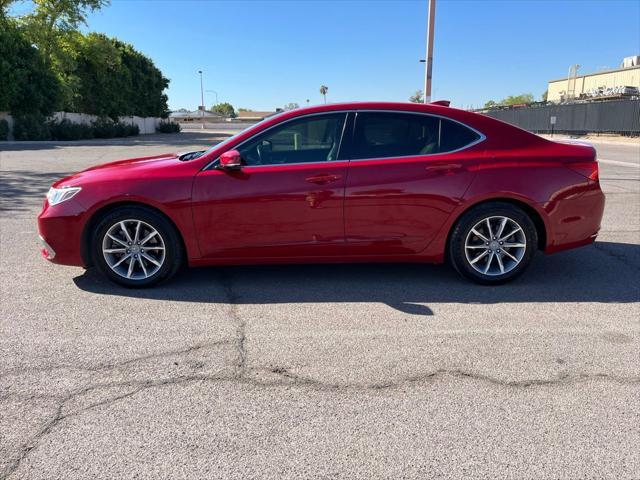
(59, 415)
(232, 299)
(286, 378)
(117, 365)
(563, 379)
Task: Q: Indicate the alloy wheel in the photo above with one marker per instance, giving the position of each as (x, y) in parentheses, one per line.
(495, 245)
(133, 249)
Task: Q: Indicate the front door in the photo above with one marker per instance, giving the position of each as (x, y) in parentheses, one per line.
(286, 201)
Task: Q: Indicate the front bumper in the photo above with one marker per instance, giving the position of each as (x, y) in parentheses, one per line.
(60, 230)
(46, 250)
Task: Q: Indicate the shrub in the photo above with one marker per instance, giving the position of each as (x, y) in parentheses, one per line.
(67, 130)
(35, 127)
(133, 130)
(4, 130)
(168, 127)
(126, 129)
(107, 128)
(104, 128)
(31, 127)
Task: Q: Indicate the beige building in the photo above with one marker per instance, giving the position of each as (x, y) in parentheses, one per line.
(607, 83)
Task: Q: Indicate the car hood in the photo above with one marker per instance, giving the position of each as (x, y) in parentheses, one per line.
(121, 169)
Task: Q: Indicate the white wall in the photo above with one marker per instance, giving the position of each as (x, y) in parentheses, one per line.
(145, 124)
(9, 119)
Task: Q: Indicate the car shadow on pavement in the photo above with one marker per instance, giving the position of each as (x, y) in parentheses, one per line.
(605, 272)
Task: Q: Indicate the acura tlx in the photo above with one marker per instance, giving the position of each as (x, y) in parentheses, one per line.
(356, 182)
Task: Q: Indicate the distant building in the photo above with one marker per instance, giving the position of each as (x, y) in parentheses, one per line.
(620, 82)
(246, 116)
(196, 116)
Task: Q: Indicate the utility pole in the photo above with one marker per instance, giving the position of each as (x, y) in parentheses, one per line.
(429, 63)
(201, 99)
(571, 81)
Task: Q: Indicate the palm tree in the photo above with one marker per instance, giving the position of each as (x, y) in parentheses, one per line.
(323, 91)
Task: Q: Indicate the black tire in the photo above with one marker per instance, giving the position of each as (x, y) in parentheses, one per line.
(173, 250)
(462, 232)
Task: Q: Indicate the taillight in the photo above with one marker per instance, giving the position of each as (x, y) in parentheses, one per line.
(586, 169)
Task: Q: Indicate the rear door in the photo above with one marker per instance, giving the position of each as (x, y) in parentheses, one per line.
(407, 172)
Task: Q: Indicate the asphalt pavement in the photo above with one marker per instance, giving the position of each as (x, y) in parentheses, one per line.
(334, 371)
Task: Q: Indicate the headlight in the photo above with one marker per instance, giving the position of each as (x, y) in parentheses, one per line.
(59, 195)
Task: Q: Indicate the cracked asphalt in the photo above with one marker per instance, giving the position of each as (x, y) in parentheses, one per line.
(335, 371)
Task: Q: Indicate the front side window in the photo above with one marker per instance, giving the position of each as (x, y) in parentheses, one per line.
(391, 134)
(310, 139)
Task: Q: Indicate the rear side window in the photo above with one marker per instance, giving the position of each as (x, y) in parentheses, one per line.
(391, 134)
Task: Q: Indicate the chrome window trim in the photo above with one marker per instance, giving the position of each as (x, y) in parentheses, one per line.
(481, 137)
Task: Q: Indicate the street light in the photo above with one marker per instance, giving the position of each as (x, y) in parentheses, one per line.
(201, 99)
(213, 91)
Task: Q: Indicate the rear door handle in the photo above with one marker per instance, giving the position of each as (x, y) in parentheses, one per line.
(444, 168)
(323, 178)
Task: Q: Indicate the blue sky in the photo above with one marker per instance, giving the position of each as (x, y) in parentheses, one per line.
(263, 54)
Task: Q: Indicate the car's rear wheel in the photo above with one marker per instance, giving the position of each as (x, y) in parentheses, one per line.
(493, 243)
(136, 247)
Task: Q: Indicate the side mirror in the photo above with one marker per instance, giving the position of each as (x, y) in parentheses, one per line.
(231, 160)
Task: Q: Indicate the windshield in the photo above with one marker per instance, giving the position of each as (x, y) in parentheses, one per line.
(232, 137)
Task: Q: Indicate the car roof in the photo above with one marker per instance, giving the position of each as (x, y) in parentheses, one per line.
(402, 106)
(508, 135)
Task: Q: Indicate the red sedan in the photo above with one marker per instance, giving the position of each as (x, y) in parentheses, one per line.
(360, 182)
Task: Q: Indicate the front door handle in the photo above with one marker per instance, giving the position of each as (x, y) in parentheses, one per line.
(323, 178)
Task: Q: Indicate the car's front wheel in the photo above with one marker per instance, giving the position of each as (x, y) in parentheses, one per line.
(136, 247)
(493, 243)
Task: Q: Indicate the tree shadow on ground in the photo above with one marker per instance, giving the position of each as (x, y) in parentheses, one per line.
(205, 139)
(23, 190)
(606, 272)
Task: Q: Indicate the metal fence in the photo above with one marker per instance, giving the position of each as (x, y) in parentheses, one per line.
(618, 116)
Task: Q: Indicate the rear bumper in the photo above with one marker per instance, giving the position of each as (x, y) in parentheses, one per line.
(60, 231)
(574, 220)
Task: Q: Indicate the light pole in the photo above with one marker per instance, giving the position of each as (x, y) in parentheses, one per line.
(201, 99)
(213, 91)
(429, 63)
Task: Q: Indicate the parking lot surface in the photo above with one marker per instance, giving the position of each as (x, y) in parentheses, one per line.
(334, 371)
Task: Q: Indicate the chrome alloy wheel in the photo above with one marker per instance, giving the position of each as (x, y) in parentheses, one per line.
(495, 245)
(133, 249)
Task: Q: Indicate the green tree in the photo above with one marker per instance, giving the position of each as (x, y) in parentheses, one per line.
(27, 86)
(417, 97)
(53, 27)
(116, 80)
(323, 91)
(523, 98)
(544, 95)
(291, 106)
(225, 109)
(4, 7)
(47, 64)
(52, 19)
